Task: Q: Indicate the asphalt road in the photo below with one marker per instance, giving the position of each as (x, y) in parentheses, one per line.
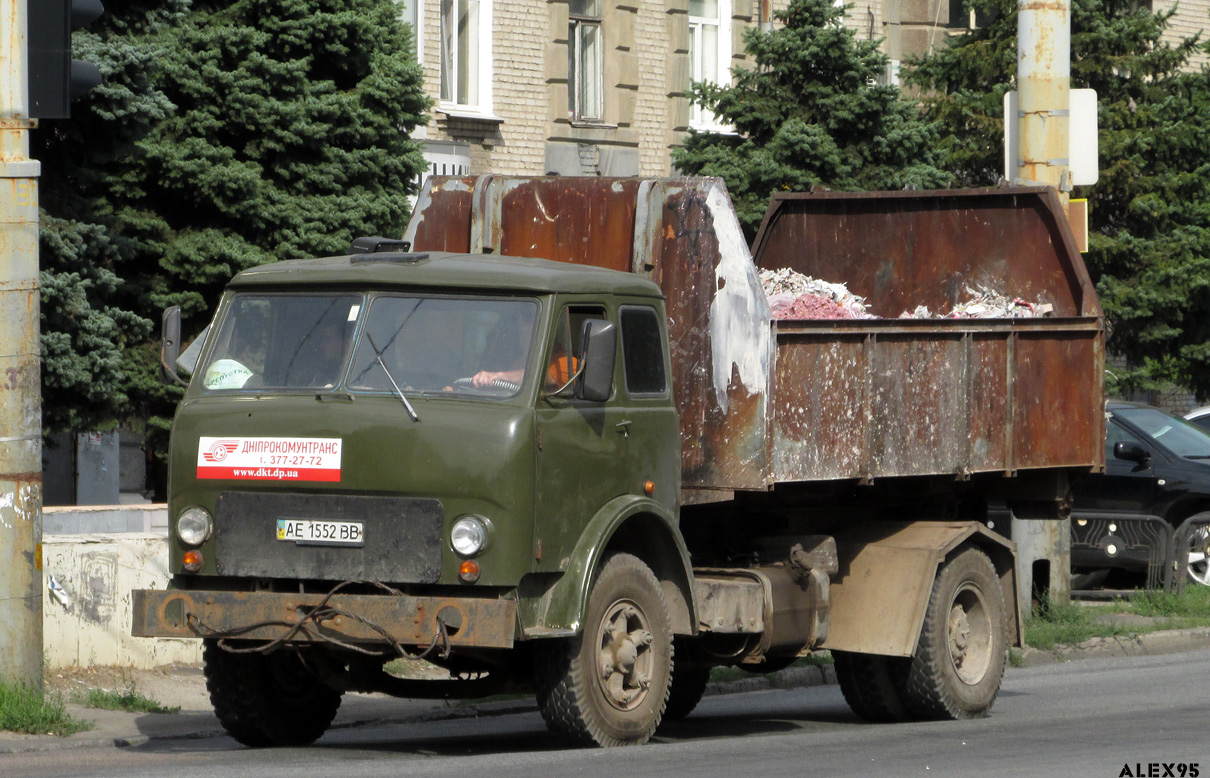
(1095, 718)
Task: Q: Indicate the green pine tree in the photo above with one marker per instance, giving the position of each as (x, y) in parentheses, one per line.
(1150, 211)
(811, 113)
(228, 133)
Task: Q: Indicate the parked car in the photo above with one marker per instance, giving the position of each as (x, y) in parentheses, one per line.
(1200, 417)
(1151, 507)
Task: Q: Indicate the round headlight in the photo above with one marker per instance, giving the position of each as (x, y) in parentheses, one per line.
(194, 526)
(468, 536)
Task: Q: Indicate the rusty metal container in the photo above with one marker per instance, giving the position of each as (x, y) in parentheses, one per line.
(763, 402)
(895, 397)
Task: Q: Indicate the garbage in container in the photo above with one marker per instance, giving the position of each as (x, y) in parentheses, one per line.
(794, 295)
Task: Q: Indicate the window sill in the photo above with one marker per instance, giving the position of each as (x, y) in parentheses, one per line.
(714, 129)
(456, 113)
(591, 125)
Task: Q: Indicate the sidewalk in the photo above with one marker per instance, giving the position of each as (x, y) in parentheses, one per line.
(197, 720)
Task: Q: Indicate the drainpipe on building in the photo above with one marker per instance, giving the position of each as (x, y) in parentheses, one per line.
(20, 367)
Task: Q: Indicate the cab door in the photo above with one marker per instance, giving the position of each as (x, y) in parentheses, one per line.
(582, 446)
(1126, 487)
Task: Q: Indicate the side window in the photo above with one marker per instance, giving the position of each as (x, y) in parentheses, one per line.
(564, 355)
(642, 351)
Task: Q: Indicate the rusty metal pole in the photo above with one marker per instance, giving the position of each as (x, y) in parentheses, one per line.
(20, 367)
(1043, 103)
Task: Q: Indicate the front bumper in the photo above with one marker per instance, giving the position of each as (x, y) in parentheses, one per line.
(409, 620)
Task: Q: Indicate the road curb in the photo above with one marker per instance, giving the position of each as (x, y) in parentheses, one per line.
(1171, 641)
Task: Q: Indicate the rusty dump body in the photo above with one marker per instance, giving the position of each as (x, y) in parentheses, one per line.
(763, 402)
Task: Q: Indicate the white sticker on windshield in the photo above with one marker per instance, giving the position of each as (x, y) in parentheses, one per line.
(353, 311)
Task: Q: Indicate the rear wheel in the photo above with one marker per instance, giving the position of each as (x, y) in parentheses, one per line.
(268, 700)
(959, 660)
(609, 685)
(689, 679)
(872, 684)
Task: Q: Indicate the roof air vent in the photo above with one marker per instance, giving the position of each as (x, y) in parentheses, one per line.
(376, 249)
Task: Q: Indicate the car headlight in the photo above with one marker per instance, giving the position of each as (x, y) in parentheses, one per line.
(194, 526)
(469, 535)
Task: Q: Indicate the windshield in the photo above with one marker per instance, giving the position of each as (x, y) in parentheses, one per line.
(1177, 435)
(282, 341)
(446, 345)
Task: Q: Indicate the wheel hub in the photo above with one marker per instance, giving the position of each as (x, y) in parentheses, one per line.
(1199, 557)
(960, 633)
(624, 655)
(970, 635)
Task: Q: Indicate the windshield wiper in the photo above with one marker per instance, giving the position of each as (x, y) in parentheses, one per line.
(1197, 456)
(391, 378)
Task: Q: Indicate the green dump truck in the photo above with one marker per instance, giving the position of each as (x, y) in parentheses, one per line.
(554, 441)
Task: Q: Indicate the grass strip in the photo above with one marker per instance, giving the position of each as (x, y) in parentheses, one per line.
(26, 711)
(130, 701)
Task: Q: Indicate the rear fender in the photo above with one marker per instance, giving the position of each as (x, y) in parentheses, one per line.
(887, 569)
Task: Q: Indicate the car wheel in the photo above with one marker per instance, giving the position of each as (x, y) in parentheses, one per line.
(1197, 561)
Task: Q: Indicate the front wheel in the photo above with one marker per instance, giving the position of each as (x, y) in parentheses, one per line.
(1197, 561)
(268, 700)
(609, 685)
(959, 660)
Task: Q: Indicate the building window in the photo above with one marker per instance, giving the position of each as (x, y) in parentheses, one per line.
(466, 55)
(412, 12)
(709, 51)
(585, 61)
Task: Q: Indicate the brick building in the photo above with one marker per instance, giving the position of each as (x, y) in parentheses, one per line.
(597, 87)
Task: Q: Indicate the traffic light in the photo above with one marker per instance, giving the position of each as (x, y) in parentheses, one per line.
(55, 79)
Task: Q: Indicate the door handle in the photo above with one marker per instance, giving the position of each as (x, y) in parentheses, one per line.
(623, 427)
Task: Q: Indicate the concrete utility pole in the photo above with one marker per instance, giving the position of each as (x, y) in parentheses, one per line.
(20, 367)
(1043, 83)
(1044, 120)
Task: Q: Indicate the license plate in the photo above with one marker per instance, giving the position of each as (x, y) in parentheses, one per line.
(310, 532)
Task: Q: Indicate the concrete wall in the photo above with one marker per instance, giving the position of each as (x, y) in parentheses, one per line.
(87, 620)
(80, 520)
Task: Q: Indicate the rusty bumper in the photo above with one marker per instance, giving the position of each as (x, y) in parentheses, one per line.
(409, 620)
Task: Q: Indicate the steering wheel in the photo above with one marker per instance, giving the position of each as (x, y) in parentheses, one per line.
(497, 385)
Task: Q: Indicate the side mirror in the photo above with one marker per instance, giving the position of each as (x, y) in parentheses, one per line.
(170, 344)
(598, 353)
(1131, 452)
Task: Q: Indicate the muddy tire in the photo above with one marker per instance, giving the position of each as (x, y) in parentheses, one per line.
(959, 660)
(609, 685)
(271, 700)
(872, 685)
(689, 681)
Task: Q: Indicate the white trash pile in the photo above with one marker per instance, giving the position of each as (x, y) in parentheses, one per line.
(793, 295)
(985, 303)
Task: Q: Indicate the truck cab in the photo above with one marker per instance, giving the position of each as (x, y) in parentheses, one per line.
(443, 427)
